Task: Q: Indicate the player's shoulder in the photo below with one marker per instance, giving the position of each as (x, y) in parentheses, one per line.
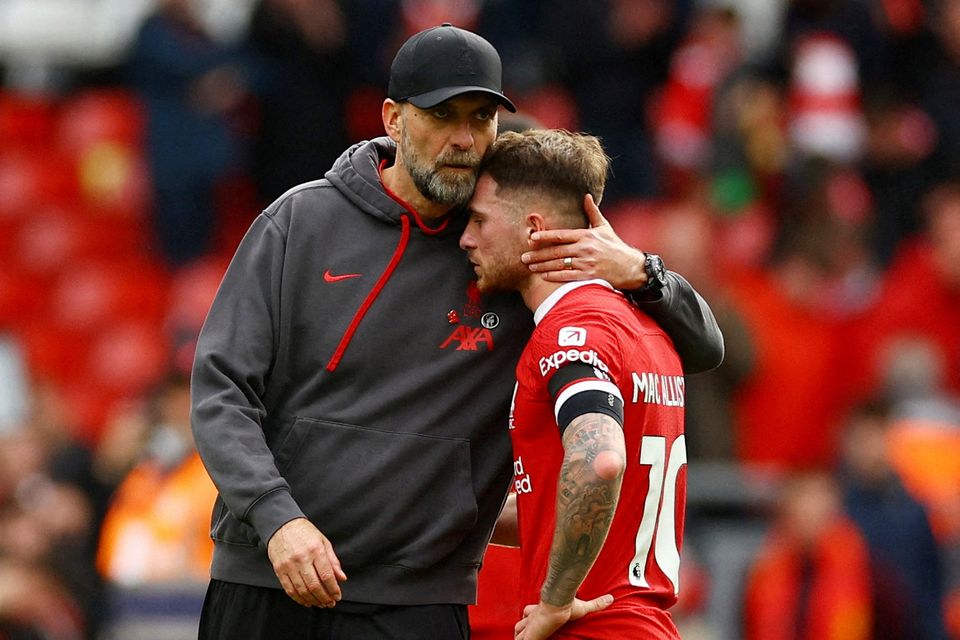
(577, 322)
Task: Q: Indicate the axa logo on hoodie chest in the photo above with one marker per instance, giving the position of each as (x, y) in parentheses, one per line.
(469, 338)
(466, 336)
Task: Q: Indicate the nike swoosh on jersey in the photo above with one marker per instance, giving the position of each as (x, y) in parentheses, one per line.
(329, 277)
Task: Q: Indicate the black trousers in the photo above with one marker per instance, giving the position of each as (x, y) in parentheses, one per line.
(242, 612)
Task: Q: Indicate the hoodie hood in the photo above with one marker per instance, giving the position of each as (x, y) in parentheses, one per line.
(356, 175)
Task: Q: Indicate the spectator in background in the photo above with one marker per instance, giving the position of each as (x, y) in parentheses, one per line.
(923, 446)
(682, 114)
(46, 588)
(941, 86)
(906, 566)
(901, 139)
(811, 579)
(925, 275)
(53, 493)
(787, 409)
(192, 87)
(303, 44)
(613, 56)
(157, 527)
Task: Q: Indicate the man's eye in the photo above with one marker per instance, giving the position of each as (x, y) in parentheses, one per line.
(441, 113)
(484, 115)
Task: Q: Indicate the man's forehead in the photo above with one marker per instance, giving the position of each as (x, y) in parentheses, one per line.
(485, 193)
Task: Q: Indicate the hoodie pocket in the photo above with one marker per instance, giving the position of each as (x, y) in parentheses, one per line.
(381, 497)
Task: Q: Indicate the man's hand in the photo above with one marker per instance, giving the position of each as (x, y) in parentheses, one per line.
(306, 565)
(541, 620)
(597, 252)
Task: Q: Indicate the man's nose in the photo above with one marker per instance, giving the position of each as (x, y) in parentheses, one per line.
(462, 137)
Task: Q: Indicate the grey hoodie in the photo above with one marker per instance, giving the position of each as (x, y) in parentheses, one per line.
(349, 372)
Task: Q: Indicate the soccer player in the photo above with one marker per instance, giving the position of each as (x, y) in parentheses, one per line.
(597, 415)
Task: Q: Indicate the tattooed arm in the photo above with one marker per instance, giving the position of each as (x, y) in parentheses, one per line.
(587, 493)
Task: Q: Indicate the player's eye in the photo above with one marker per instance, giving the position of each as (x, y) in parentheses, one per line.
(441, 112)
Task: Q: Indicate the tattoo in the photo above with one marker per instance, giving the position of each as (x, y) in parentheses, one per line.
(585, 505)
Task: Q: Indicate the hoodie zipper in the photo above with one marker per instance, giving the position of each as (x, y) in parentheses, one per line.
(394, 261)
(377, 288)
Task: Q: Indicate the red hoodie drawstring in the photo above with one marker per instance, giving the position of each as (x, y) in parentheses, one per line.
(397, 254)
(358, 316)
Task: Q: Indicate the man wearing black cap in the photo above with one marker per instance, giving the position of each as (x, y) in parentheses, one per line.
(351, 385)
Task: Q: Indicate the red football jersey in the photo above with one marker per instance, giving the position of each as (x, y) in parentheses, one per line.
(630, 356)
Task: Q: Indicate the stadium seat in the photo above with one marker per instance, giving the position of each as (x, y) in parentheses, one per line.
(113, 179)
(30, 177)
(55, 238)
(101, 293)
(26, 121)
(127, 359)
(22, 300)
(53, 352)
(100, 115)
(552, 106)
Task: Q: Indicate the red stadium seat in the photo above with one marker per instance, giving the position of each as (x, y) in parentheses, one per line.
(53, 239)
(96, 116)
(26, 121)
(98, 294)
(89, 408)
(23, 300)
(114, 180)
(32, 177)
(127, 359)
(192, 290)
(552, 106)
(54, 352)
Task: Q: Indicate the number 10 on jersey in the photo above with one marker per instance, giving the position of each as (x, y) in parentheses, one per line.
(659, 511)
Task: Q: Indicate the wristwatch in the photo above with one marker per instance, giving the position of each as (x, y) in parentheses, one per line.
(656, 273)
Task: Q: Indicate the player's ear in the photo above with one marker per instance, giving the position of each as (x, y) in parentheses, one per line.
(534, 222)
(390, 112)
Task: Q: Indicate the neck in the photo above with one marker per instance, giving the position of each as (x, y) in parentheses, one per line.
(397, 180)
(536, 290)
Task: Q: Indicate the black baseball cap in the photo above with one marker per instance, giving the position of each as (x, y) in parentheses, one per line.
(442, 62)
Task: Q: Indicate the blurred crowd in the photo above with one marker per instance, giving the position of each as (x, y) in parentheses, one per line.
(797, 160)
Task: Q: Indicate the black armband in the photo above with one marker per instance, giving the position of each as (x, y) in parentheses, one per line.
(578, 389)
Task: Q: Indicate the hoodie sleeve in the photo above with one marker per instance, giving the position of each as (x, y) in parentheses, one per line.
(234, 356)
(689, 321)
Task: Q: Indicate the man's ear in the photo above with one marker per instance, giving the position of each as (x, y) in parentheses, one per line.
(534, 222)
(390, 112)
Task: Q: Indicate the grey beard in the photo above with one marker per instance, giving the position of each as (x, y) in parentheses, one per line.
(436, 189)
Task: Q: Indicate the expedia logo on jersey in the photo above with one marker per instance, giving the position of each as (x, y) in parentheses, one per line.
(560, 358)
(467, 337)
